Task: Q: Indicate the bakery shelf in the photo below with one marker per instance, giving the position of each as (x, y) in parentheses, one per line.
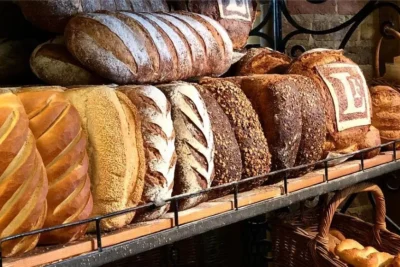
(173, 227)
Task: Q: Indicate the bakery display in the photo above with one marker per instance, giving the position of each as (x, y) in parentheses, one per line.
(56, 125)
(345, 93)
(262, 61)
(371, 139)
(108, 44)
(52, 63)
(159, 144)
(254, 150)
(194, 142)
(23, 183)
(235, 16)
(227, 160)
(386, 112)
(53, 16)
(115, 149)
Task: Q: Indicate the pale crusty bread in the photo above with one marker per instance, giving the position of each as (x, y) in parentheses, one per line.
(159, 142)
(23, 179)
(194, 142)
(115, 149)
(56, 125)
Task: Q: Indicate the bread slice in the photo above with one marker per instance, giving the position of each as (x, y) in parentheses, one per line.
(115, 149)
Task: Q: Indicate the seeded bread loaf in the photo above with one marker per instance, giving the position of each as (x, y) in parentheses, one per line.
(159, 143)
(56, 125)
(345, 94)
(227, 160)
(194, 142)
(115, 149)
(52, 63)
(245, 123)
(23, 184)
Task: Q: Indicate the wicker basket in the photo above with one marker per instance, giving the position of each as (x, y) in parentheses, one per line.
(303, 241)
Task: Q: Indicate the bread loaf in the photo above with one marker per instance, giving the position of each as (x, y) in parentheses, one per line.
(115, 150)
(56, 125)
(235, 16)
(53, 15)
(23, 184)
(227, 160)
(371, 139)
(345, 93)
(386, 113)
(159, 143)
(262, 61)
(245, 123)
(194, 142)
(52, 63)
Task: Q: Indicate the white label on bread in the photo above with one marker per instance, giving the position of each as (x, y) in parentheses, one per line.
(235, 9)
(349, 92)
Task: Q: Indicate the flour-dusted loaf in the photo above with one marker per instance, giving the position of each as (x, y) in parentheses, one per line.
(115, 149)
(262, 61)
(159, 143)
(345, 93)
(227, 159)
(194, 142)
(53, 15)
(23, 184)
(235, 16)
(246, 125)
(52, 63)
(61, 142)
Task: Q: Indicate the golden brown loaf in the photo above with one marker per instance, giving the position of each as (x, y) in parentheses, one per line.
(194, 142)
(23, 182)
(262, 61)
(245, 123)
(386, 112)
(52, 63)
(159, 143)
(61, 142)
(345, 94)
(115, 150)
(371, 139)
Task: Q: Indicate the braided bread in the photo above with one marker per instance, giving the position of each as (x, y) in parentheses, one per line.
(56, 125)
(23, 180)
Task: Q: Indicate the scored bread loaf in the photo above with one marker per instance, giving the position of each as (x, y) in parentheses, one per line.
(53, 15)
(147, 47)
(246, 126)
(56, 125)
(345, 94)
(52, 63)
(23, 184)
(159, 143)
(115, 149)
(194, 142)
(227, 160)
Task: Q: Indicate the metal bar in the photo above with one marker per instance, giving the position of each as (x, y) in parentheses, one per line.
(348, 203)
(235, 197)
(388, 219)
(176, 212)
(362, 161)
(140, 245)
(326, 177)
(98, 235)
(277, 23)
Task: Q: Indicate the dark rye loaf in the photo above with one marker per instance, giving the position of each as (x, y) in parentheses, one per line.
(256, 158)
(227, 160)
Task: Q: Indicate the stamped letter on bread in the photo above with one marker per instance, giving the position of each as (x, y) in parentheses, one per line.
(349, 92)
(235, 9)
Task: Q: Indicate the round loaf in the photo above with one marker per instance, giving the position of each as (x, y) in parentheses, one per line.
(23, 184)
(194, 142)
(262, 61)
(61, 142)
(371, 139)
(52, 63)
(244, 120)
(227, 160)
(115, 149)
(344, 92)
(159, 143)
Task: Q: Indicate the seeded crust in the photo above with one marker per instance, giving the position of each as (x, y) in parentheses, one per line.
(305, 65)
(262, 61)
(227, 160)
(253, 145)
